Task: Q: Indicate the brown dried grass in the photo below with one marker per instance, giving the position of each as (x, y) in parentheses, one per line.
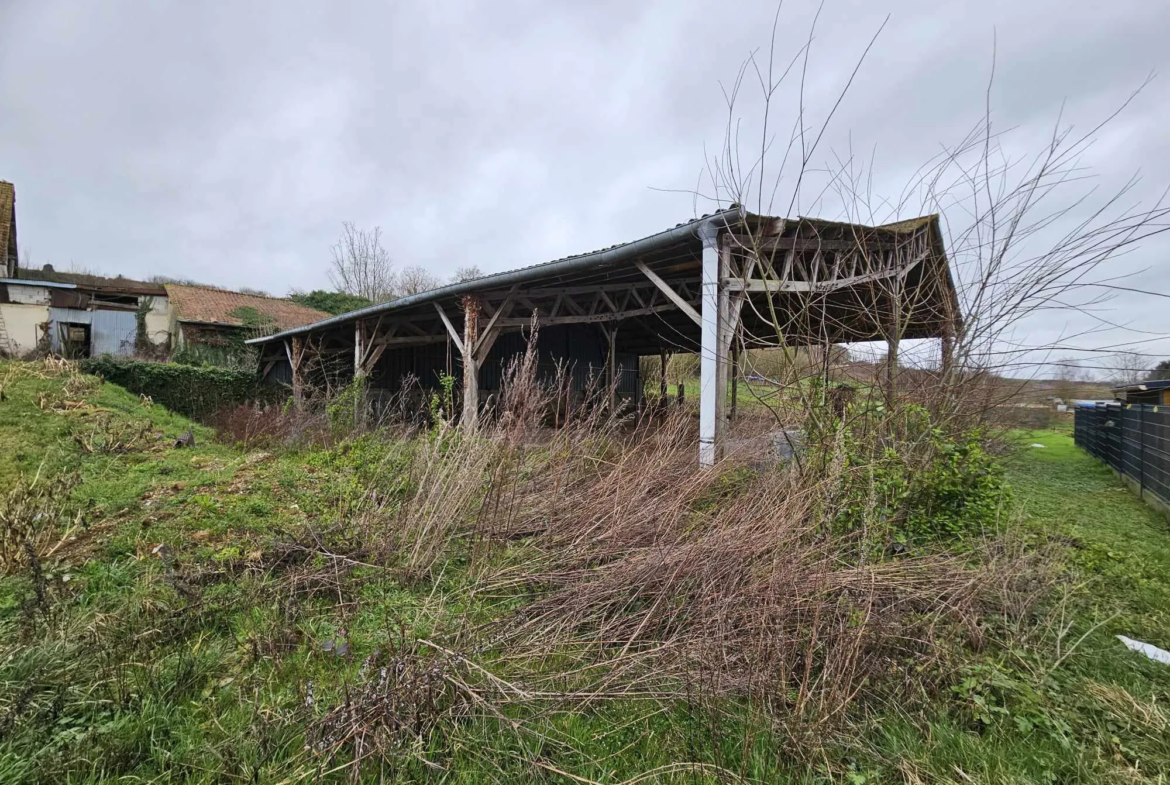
(643, 575)
(640, 576)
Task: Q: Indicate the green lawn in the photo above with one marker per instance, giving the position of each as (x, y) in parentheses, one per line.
(210, 662)
(1069, 703)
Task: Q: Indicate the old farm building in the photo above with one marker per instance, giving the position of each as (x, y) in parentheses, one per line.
(702, 286)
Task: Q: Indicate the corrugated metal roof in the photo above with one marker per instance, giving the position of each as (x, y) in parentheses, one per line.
(1158, 384)
(614, 253)
(46, 284)
(98, 283)
(682, 240)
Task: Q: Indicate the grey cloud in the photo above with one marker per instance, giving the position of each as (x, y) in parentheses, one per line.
(227, 142)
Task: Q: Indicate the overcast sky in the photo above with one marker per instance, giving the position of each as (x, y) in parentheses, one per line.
(227, 142)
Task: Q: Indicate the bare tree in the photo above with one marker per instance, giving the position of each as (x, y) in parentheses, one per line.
(360, 265)
(1069, 369)
(415, 280)
(1070, 376)
(467, 273)
(1128, 367)
(1024, 233)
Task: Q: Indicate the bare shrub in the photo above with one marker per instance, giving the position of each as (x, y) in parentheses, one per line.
(105, 435)
(257, 426)
(447, 478)
(35, 516)
(402, 692)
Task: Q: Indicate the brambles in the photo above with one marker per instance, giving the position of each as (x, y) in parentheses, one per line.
(257, 425)
(922, 485)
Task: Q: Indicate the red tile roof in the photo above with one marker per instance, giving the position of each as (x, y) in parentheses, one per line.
(217, 306)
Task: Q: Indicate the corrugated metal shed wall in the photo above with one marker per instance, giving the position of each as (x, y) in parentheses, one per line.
(581, 349)
(281, 373)
(58, 316)
(113, 333)
(425, 363)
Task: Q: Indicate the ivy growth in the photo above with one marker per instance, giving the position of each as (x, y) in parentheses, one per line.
(195, 391)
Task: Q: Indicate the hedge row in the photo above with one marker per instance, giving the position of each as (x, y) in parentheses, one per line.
(195, 391)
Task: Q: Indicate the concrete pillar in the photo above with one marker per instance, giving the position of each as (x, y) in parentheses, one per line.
(470, 417)
(712, 355)
(723, 364)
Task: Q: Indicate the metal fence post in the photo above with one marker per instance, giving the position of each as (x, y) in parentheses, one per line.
(1142, 451)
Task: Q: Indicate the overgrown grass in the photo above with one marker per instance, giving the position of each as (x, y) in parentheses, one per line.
(227, 615)
(1067, 702)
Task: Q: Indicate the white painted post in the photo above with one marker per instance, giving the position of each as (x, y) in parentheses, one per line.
(724, 356)
(359, 372)
(358, 348)
(711, 355)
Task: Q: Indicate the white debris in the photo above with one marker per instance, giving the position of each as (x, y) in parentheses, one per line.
(1038, 444)
(1148, 649)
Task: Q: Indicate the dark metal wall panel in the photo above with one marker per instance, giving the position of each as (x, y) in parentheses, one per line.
(427, 364)
(1156, 450)
(1132, 438)
(578, 351)
(279, 374)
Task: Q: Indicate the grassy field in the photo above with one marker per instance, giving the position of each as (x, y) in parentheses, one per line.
(199, 617)
(1066, 702)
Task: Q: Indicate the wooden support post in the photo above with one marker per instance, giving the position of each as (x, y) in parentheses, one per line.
(734, 379)
(726, 332)
(663, 360)
(682, 394)
(893, 335)
(947, 352)
(359, 345)
(611, 380)
(470, 419)
(295, 352)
